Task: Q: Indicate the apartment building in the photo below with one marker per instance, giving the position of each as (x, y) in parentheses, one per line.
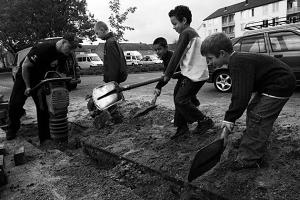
(233, 19)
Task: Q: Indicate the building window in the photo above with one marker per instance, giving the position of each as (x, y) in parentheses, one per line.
(265, 10)
(231, 18)
(252, 12)
(275, 7)
(224, 20)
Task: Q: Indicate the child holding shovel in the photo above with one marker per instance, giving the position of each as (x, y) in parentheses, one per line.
(160, 46)
(114, 63)
(272, 80)
(194, 71)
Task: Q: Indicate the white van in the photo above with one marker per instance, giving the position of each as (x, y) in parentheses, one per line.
(133, 57)
(87, 60)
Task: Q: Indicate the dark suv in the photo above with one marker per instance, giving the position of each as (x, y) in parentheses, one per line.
(282, 42)
(71, 68)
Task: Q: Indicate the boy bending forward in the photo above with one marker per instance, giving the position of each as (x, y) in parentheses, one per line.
(271, 79)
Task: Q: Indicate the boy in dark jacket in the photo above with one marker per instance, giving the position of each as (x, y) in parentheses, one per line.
(194, 73)
(271, 79)
(114, 63)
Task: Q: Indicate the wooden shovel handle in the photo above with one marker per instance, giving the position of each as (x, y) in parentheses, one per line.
(132, 86)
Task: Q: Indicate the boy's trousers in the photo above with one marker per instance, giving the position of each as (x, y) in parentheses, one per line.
(185, 108)
(262, 112)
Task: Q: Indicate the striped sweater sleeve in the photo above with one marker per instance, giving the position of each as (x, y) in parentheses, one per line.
(242, 75)
(180, 48)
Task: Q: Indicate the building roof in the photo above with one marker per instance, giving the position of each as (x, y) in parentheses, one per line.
(245, 5)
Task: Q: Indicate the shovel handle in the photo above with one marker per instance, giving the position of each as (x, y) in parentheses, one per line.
(129, 87)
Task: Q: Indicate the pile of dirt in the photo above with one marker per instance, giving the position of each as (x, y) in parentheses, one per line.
(146, 141)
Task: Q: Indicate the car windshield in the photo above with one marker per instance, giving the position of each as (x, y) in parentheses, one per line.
(95, 58)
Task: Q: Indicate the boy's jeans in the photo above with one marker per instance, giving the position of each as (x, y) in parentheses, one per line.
(262, 112)
(185, 93)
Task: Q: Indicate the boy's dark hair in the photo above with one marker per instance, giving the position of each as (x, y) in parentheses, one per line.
(180, 12)
(161, 41)
(216, 42)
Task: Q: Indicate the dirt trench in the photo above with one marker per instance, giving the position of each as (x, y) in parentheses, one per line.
(139, 155)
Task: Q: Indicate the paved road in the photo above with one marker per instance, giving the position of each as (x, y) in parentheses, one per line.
(207, 96)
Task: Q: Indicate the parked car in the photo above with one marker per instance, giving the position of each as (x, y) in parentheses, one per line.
(133, 57)
(70, 69)
(150, 59)
(88, 60)
(282, 42)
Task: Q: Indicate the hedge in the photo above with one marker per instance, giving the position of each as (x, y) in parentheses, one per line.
(130, 69)
(5, 70)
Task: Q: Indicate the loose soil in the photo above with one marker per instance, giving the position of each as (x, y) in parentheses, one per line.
(140, 156)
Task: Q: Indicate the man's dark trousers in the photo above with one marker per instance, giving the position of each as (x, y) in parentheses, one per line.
(15, 110)
(185, 109)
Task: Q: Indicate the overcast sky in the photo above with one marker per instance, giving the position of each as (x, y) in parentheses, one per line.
(151, 20)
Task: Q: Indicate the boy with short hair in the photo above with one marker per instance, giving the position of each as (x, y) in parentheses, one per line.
(271, 79)
(114, 63)
(160, 46)
(194, 71)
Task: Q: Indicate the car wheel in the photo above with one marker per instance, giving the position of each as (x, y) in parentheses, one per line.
(222, 81)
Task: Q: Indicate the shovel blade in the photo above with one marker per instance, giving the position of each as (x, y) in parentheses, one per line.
(206, 158)
(144, 111)
(102, 100)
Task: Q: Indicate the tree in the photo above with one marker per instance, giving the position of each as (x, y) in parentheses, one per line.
(23, 22)
(117, 19)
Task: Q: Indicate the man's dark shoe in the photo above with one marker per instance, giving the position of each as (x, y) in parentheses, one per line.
(180, 131)
(203, 126)
(241, 164)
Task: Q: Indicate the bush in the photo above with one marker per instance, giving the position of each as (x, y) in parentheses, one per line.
(5, 70)
(130, 69)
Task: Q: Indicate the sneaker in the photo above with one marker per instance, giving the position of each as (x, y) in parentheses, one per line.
(242, 164)
(203, 126)
(180, 131)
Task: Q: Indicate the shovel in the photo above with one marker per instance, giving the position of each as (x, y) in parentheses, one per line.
(109, 94)
(207, 157)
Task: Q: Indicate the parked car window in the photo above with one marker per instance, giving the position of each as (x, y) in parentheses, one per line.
(95, 58)
(285, 41)
(79, 59)
(83, 59)
(237, 46)
(88, 59)
(254, 44)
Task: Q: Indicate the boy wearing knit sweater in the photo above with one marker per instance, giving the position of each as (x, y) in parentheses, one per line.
(273, 83)
(194, 73)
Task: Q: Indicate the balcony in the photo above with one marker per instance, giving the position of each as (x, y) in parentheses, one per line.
(293, 10)
(225, 24)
